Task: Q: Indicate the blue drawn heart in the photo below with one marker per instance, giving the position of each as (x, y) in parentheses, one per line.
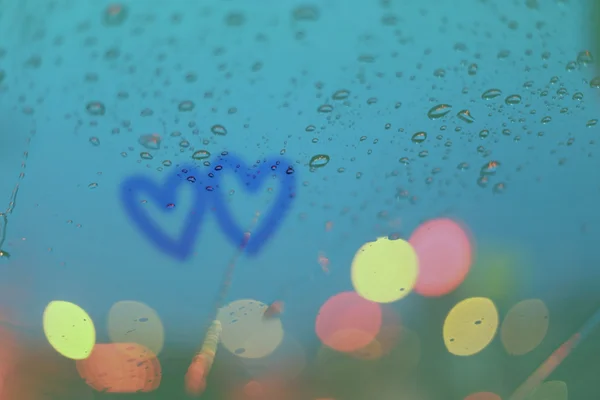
(165, 195)
(253, 178)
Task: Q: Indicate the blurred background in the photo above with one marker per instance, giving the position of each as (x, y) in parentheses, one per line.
(443, 238)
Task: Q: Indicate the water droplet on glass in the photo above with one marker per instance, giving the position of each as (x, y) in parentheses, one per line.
(490, 168)
(114, 15)
(305, 13)
(484, 133)
(491, 94)
(591, 122)
(219, 130)
(342, 94)
(201, 155)
(95, 141)
(546, 119)
(595, 82)
(95, 108)
(463, 166)
(578, 96)
(472, 70)
(151, 141)
(319, 161)
(325, 108)
(439, 111)
(146, 156)
(499, 188)
(513, 99)
(585, 58)
(92, 185)
(186, 106)
(571, 66)
(465, 115)
(419, 137)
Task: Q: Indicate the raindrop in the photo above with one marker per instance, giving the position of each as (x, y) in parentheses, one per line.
(95, 141)
(201, 155)
(151, 141)
(484, 133)
(235, 19)
(571, 66)
(513, 99)
(114, 15)
(306, 13)
(490, 168)
(465, 115)
(191, 77)
(146, 156)
(585, 58)
(95, 108)
(219, 130)
(499, 188)
(578, 96)
(595, 83)
(325, 108)
(319, 161)
(186, 106)
(342, 94)
(491, 94)
(419, 137)
(472, 70)
(439, 111)
(546, 119)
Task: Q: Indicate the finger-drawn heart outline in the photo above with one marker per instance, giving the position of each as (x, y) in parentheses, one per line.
(254, 178)
(182, 247)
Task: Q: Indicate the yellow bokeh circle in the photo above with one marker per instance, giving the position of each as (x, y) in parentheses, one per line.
(69, 330)
(470, 326)
(384, 271)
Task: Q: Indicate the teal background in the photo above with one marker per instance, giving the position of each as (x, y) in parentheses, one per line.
(549, 208)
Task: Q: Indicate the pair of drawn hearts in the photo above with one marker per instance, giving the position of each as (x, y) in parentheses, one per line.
(209, 196)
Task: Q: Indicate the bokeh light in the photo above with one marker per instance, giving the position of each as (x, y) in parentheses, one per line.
(121, 368)
(348, 322)
(385, 270)
(69, 329)
(550, 390)
(524, 326)
(245, 332)
(444, 252)
(135, 322)
(470, 326)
